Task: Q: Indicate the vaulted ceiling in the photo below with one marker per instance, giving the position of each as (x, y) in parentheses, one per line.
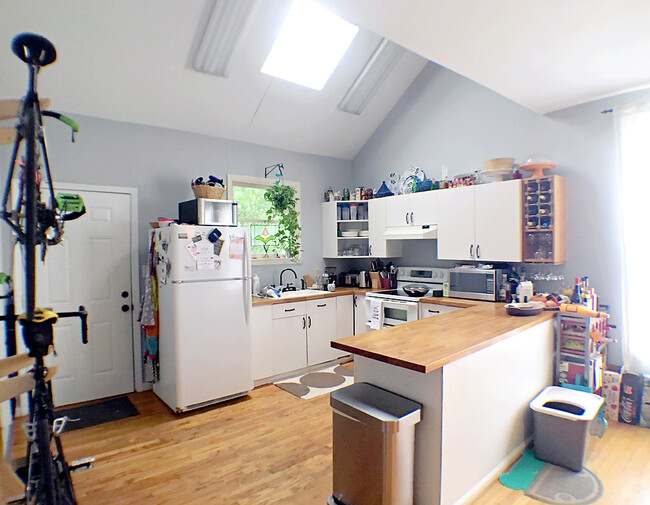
(131, 61)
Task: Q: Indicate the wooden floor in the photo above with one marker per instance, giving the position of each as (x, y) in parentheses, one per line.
(272, 448)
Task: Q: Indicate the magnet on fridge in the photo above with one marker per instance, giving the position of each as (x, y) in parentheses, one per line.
(197, 238)
(218, 245)
(214, 235)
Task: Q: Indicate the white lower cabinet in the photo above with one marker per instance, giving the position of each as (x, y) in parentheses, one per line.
(262, 341)
(292, 336)
(360, 316)
(432, 309)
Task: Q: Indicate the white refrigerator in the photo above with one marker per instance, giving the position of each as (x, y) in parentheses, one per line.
(204, 291)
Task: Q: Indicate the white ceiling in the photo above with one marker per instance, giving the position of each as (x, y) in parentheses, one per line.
(130, 60)
(543, 54)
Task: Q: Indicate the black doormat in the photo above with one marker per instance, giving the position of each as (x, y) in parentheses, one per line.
(98, 413)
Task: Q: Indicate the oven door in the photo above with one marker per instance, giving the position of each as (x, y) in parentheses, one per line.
(398, 312)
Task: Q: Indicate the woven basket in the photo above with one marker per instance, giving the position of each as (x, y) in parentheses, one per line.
(205, 191)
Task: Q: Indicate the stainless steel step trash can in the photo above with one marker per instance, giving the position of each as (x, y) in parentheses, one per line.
(374, 444)
(561, 418)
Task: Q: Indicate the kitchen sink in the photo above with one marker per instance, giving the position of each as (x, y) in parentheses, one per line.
(301, 293)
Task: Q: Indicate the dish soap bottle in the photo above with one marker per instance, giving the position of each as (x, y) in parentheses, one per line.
(256, 284)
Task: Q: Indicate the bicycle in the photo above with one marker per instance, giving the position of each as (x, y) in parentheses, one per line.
(40, 223)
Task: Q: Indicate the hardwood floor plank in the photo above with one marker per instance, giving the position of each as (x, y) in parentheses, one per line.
(272, 449)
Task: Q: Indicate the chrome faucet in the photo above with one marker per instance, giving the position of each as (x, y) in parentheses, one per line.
(295, 275)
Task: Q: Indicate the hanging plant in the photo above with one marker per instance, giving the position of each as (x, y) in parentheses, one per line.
(283, 208)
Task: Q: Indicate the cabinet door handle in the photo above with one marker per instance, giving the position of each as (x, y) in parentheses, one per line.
(309, 317)
(289, 310)
(321, 305)
(406, 217)
(478, 251)
(471, 250)
(411, 217)
(370, 249)
(434, 311)
(304, 323)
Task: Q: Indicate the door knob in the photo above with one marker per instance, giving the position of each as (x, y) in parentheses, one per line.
(125, 308)
(125, 294)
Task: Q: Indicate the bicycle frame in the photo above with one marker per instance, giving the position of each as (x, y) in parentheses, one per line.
(31, 220)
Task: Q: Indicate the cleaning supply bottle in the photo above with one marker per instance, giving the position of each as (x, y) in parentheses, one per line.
(256, 284)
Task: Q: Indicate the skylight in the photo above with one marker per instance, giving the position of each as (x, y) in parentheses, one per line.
(311, 43)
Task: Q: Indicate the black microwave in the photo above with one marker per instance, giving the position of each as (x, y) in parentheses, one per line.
(475, 283)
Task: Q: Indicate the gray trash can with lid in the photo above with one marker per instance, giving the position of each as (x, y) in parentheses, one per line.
(561, 418)
(374, 443)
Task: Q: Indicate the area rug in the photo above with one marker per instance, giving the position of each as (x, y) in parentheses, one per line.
(320, 382)
(523, 473)
(552, 484)
(557, 485)
(97, 413)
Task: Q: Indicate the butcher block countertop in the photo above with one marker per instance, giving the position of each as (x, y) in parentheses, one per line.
(429, 344)
(324, 294)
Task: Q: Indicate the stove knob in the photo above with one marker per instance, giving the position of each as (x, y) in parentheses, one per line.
(435, 274)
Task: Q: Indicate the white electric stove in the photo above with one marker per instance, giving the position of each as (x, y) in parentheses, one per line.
(393, 306)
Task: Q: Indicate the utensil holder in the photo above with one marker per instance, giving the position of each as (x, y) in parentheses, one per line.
(384, 282)
(375, 280)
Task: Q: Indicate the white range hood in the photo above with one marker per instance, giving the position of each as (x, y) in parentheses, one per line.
(411, 232)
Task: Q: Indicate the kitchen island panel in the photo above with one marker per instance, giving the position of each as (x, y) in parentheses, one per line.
(486, 419)
(475, 418)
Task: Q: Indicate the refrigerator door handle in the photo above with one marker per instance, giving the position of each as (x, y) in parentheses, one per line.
(248, 285)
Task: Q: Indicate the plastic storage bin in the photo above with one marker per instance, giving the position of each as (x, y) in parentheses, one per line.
(561, 419)
(374, 442)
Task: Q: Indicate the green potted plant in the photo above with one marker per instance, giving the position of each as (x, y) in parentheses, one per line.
(283, 208)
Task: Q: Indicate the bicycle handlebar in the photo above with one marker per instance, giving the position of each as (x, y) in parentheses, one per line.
(64, 119)
(83, 315)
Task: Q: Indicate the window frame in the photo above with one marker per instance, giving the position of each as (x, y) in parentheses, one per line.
(261, 183)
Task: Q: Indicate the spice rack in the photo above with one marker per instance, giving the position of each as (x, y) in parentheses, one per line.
(544, 220)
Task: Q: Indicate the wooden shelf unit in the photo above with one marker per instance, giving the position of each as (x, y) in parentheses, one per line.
(544, 220)
(577, 353)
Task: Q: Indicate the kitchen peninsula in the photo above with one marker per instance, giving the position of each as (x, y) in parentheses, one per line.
(474, 371)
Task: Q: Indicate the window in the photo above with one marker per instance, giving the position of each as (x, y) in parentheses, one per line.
(248, 192)
(310, 45)
(634, 150)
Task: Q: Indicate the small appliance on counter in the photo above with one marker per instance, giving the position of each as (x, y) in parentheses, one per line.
(349, 280)
(475, 283)
(205, 211)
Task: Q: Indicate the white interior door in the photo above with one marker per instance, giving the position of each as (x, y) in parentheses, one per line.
(92, 267)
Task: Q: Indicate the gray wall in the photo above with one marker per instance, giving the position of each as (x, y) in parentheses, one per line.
(447, 119)
(160, 163)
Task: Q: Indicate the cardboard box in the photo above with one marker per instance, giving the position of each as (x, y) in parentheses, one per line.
(611, 392)
(644, 420)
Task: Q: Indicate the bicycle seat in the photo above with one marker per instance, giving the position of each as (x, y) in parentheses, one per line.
(33, 49)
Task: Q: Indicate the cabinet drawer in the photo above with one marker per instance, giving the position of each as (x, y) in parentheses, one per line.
(281, 310)
(321, 305)
(431, 309)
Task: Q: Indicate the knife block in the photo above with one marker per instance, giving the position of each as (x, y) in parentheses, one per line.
(375, 282)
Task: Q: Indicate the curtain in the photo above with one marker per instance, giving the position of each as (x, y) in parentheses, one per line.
(633, 129)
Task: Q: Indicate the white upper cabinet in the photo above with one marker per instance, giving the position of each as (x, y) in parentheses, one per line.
(498, 228)
(481, 223)
(413, 209)
(456, 223)
(378, 215)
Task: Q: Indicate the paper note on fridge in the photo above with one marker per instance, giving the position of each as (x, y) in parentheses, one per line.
(236, 247)
(205, 264)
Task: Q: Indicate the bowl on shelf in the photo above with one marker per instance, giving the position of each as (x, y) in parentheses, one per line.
(364, 233)
(499, 164)
(350, 233)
